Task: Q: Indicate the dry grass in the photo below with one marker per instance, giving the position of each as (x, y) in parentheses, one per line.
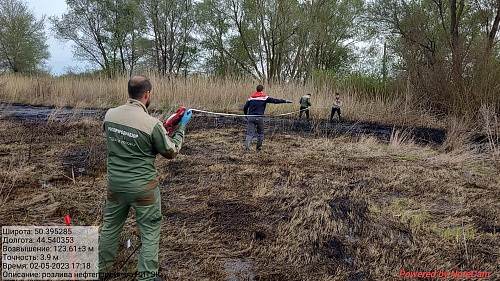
(490, 124)
(221, 95)
(330, 209)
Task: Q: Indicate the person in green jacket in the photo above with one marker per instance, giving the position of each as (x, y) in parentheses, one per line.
(134, 138)
(304, 104)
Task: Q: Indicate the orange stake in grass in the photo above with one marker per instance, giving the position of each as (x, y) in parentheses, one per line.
(67, 220)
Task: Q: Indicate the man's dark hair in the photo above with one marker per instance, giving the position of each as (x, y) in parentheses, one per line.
(337, 94)
(260, 88)
(138, 86)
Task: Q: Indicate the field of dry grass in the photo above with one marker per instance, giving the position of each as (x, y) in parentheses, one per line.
(220, 95)
(307, 207)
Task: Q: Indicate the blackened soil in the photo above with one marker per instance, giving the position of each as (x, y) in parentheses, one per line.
(23, 112)
(323, 128)
(317, 128)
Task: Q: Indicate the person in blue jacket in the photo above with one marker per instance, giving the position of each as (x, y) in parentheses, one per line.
(256, 105)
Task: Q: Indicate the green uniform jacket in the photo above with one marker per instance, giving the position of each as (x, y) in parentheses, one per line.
(304, 101)
(134, 138)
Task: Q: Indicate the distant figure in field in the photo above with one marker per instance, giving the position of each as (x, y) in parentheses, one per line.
(256, 105)
(305, 102)
(337, 103)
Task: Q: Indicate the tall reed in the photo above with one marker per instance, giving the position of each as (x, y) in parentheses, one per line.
(221, 95)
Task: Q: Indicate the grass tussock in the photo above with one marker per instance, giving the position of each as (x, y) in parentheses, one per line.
(305, 208)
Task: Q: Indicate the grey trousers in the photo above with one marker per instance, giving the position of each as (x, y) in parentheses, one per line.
(255, 121)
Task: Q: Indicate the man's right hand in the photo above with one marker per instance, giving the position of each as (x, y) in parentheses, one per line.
(187, 116)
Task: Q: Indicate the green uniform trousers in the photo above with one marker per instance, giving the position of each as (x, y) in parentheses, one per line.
(148, 216)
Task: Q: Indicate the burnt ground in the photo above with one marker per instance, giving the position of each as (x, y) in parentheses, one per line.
(324, 128)
(274, 125)
(310, 206)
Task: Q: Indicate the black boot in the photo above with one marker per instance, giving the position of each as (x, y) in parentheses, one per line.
(247, 146)
(259, 144)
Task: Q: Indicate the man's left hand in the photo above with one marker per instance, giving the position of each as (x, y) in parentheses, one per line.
(187, 116)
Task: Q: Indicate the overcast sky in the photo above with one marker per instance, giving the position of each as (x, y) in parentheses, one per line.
(60, 53)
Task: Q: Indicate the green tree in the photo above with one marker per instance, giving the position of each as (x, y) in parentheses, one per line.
(279, 40)
(23, 45)
(445, 46)
(105, 33)
(84, 24)
(327, 31)
(172, 23)
(213, 27)
(263, 35)
(126, 25)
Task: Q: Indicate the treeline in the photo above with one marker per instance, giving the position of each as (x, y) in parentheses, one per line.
(269, 40)
(442, 54)
(447, 50)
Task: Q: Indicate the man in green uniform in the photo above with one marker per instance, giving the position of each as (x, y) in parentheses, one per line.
(134, 138)
(305, 102)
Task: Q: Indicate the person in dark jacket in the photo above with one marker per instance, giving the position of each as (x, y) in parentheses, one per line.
(337, 103)
(256, 105)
